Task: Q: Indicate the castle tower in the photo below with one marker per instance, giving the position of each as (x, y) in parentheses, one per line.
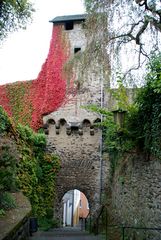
(71, 129)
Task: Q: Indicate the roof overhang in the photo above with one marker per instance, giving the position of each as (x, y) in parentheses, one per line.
(75, 18)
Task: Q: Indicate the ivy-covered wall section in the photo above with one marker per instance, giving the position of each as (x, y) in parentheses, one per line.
(27, 101)
(25, 165)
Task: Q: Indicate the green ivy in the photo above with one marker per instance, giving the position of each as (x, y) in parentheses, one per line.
(145, 121)
(120, 95)
(25, 164)
(36, 171)
(142, 125)
(21, 107)
(7, 168)
(8, 160)
(4, 121)
(7, 201)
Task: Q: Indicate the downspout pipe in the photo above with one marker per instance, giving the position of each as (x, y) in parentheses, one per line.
(101, 140)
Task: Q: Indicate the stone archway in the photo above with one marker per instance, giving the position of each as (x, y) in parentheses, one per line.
(75, 208)
(91, 194)
(78, 145)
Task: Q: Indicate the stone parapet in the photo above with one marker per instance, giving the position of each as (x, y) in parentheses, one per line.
(15, 224)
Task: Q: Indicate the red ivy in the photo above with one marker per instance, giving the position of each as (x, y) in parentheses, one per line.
(49, 91)
(4, 101)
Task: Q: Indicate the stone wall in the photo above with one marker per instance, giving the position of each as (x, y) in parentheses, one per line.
(72, 134)
(79, 152)
(136, 196)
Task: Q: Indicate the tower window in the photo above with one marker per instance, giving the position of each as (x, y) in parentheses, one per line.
(77, 50)
(69, 25)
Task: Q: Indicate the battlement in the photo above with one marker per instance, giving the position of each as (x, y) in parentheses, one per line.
(71, 127)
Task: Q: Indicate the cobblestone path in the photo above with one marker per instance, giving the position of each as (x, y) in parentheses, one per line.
(64, 234)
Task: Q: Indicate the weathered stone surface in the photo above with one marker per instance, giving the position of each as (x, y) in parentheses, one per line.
(71, 133)
(136, 195)
(15, 224)
(80, 163)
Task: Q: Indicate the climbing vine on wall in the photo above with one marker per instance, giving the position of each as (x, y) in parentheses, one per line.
(145, 121)
(25, 164)
(142, 125)
(28, 101)
(36, 170)
(18, 95)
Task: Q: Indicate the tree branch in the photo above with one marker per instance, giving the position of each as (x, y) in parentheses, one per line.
(140, 32)
(156, 24)
(129, 34)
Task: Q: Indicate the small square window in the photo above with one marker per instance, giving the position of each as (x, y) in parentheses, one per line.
(69, 25)
(77, 49)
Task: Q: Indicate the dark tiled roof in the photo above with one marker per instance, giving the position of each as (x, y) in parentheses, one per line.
(80, 17)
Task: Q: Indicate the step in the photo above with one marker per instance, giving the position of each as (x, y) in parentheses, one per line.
(63, 233)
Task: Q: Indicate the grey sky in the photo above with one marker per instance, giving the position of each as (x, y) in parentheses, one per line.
(24, 52)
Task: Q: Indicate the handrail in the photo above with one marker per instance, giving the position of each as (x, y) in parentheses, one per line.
(96, 222)
(123, 228)
(139, 228)
(86, 222)
(105, 226)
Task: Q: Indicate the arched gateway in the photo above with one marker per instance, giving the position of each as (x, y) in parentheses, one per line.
(72, 130)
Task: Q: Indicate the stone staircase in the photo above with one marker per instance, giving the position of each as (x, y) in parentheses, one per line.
(66, 233)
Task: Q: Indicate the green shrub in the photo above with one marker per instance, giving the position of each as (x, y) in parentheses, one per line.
(45, 223)
(2, 212)
(142, 126)
(36, 171)
(4, 121)
(8, 162)
(145, 122)
(25, 164)
(32, 138)
(7, 201)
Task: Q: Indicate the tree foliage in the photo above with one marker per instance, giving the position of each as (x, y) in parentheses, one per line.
(142, 125)
(14, 14)
(145, 122)
(141, 128)
(131, 30)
